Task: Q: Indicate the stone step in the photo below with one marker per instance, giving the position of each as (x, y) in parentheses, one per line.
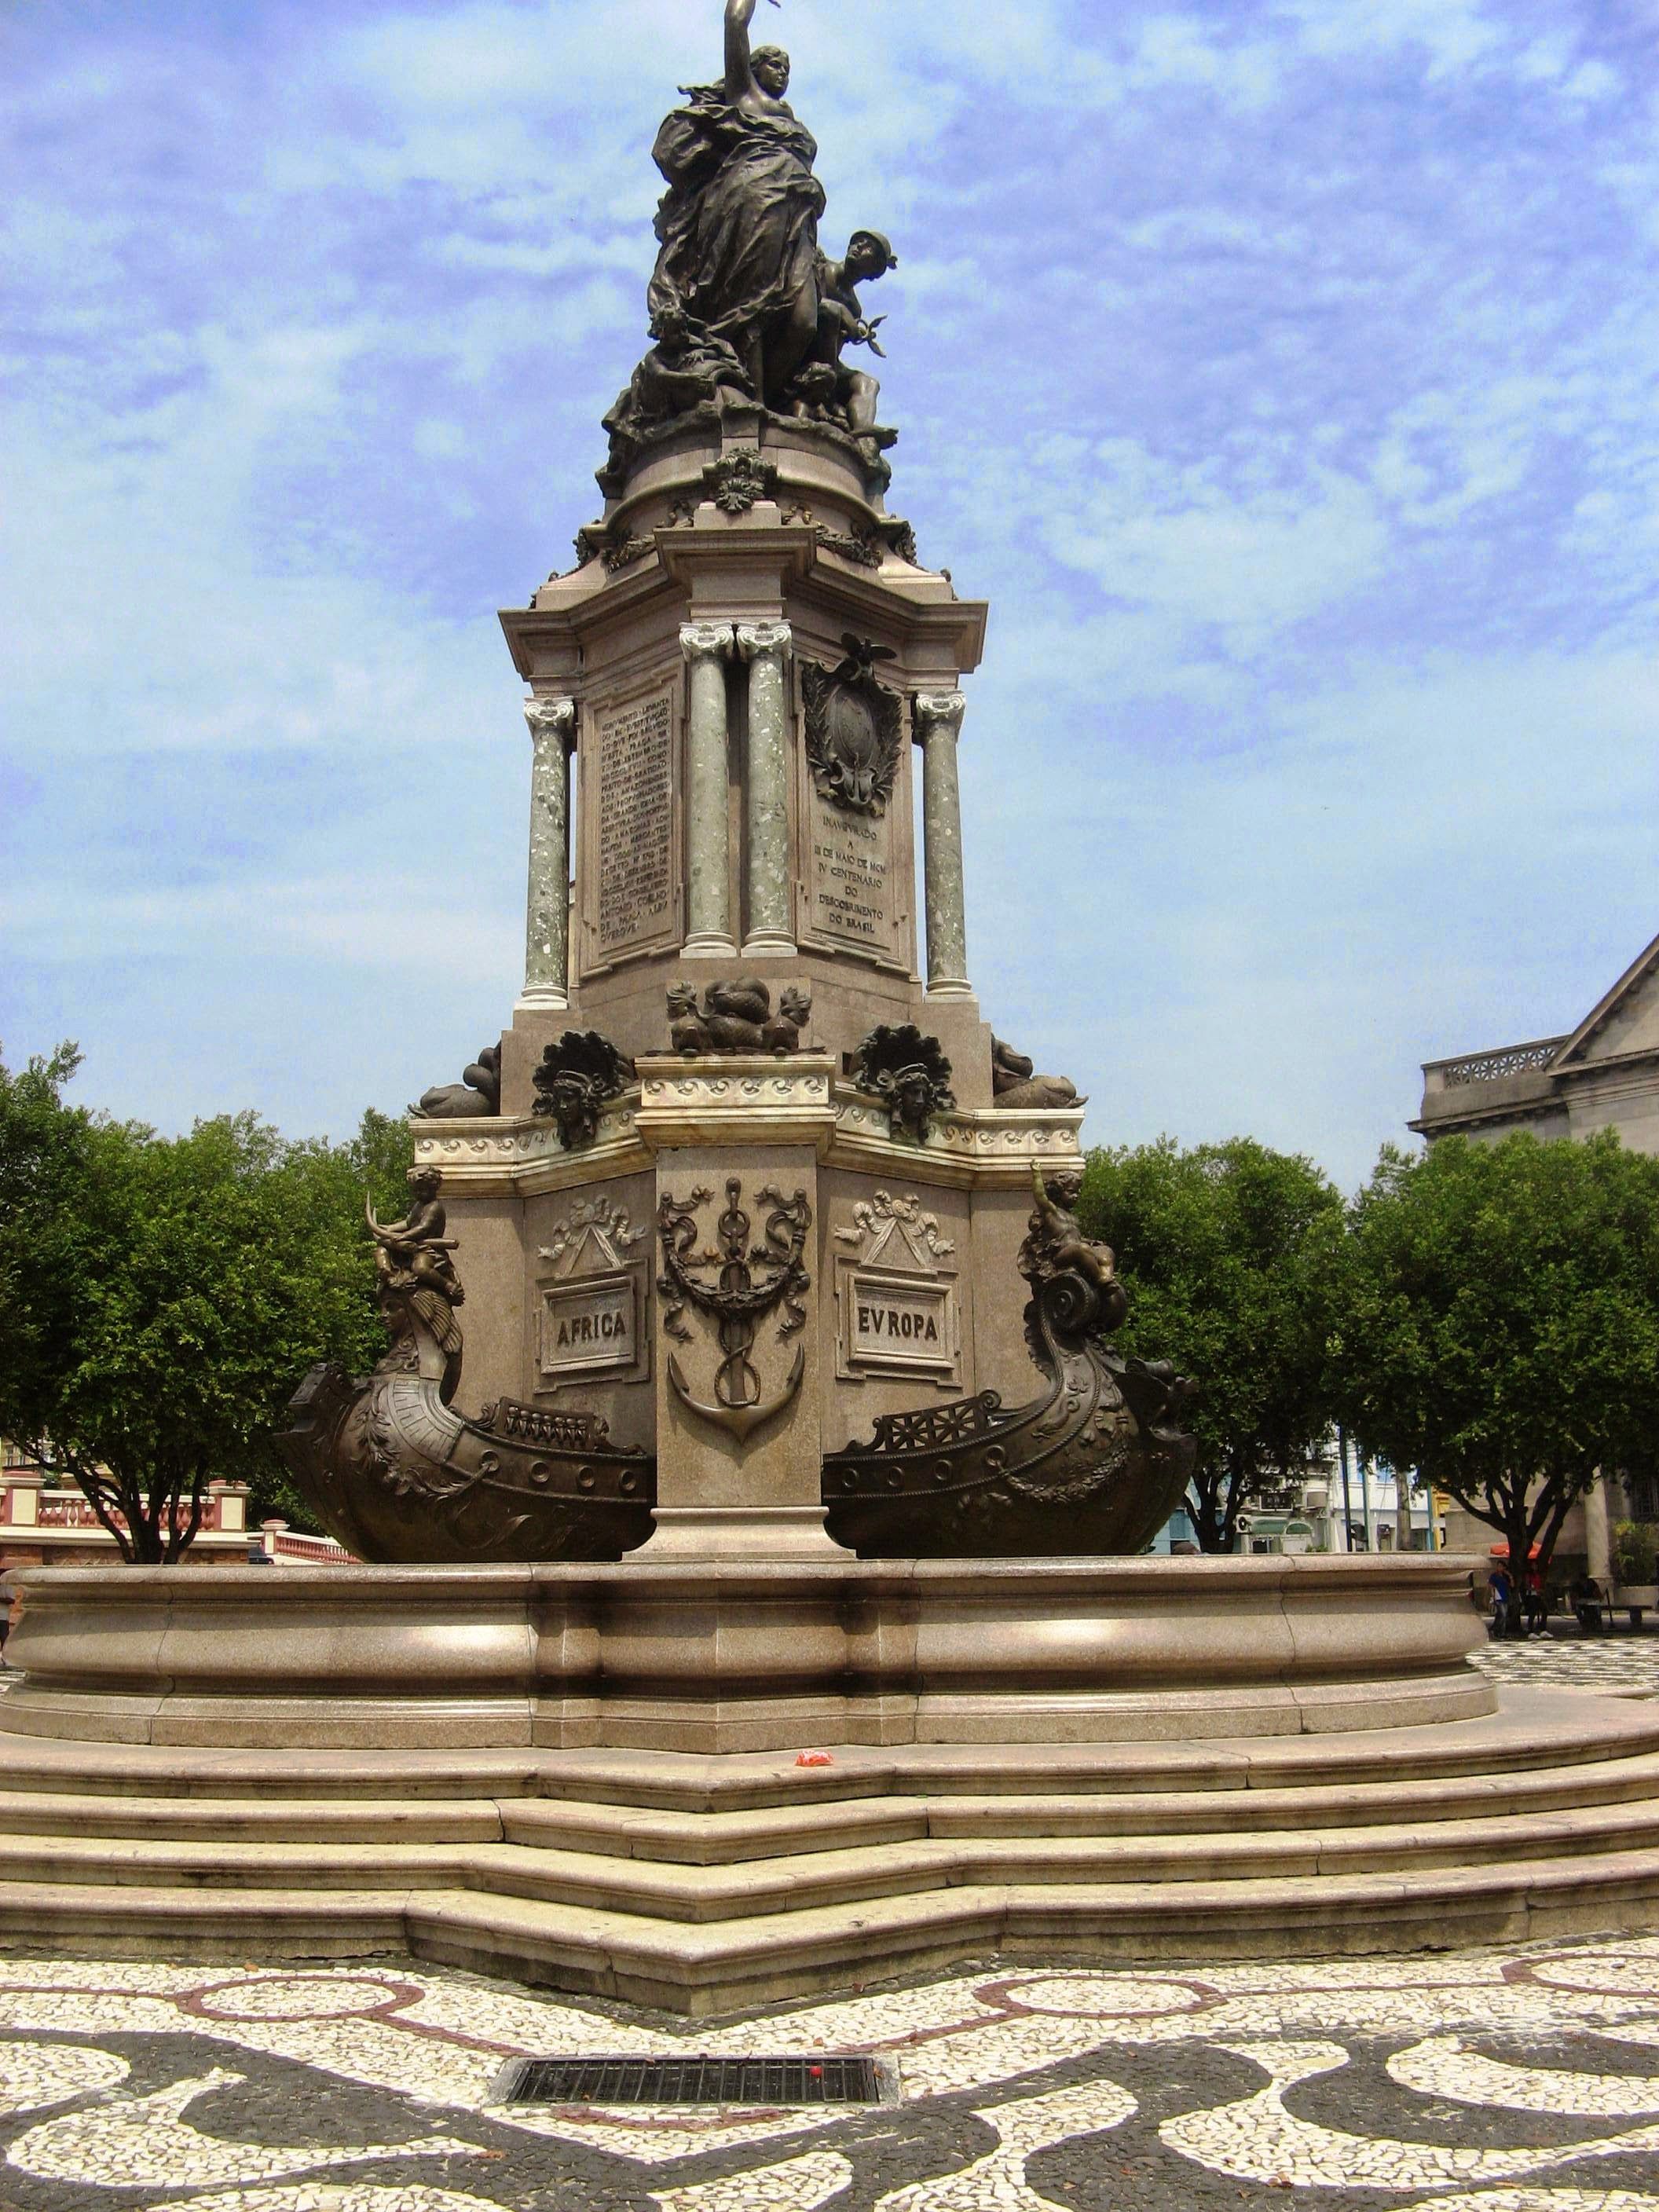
(726, 1839)
(807, 1881)
(731, 1838)
(1557, 1731)
(702, 1970)
(724, 1966)
(233, 1820)
(693, 1894)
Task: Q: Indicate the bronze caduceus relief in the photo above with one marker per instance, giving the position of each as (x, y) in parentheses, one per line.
(747, 1284)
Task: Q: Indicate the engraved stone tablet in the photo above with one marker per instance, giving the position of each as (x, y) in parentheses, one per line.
(851, 884)
(634, 756)
(590, 1328)
(899, 1327)
(592, 1305)
(895, 1290)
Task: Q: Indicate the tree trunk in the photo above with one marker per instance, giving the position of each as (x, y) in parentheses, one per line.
(147, 1550)
(1203, 1506)
(180, 1539)
(1517, 1526)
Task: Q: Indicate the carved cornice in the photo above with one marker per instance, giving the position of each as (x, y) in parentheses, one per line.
(964, 1149)
(760, 1101)
(520, 1160)
(736, 1100)
(550, 640)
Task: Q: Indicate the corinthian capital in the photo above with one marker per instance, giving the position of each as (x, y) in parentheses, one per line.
(939, 710)
(757, 640)
(706, 641)
(552, 718)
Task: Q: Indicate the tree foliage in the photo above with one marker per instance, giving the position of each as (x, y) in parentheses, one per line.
(1500, 1323)
(162, 1296)
(1228, 1253)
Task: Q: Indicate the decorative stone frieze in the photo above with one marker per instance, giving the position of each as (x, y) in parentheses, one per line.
(737, 1100)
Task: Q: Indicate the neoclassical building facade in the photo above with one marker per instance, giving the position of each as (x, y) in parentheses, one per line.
(1604, 1075)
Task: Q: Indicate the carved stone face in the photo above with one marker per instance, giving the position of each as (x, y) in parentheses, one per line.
(771, 70)
(911, 1097)
(573, 1096)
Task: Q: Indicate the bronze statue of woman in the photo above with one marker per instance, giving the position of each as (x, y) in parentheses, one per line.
(739, 223)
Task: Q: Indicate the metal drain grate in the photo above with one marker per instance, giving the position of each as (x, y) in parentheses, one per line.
(750, 2082)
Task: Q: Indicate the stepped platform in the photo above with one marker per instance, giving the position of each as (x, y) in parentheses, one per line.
(645, 1877)
(1381, 1795)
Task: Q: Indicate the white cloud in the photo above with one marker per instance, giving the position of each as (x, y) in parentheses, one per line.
(1183, 50)
(1182, 544)
(376, 917)
(1283, 371)
(1453, 34)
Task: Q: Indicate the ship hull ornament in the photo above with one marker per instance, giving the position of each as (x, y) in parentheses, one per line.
(400, 1479)
(1092, 1467)
(749, 1285)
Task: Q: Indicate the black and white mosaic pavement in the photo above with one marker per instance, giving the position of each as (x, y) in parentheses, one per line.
(1496, 2082)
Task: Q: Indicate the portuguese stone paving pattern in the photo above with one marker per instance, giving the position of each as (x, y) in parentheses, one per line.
(1616, 1665)
(1523, 2081)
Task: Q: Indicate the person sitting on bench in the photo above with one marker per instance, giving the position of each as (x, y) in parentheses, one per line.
(1589, 1603)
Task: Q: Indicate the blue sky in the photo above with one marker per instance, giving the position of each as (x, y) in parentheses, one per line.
(1285, 373)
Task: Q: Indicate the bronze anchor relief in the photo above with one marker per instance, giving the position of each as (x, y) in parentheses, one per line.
(749, 1284)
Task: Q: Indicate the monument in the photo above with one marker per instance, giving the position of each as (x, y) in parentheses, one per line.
(752, 1489)
(741, 1205)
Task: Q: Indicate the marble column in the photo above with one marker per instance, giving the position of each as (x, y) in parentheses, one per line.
(707, 647)
(938, 724)
(547, 926)
(764, 645)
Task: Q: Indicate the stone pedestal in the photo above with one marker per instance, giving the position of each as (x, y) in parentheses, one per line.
(727, 1656)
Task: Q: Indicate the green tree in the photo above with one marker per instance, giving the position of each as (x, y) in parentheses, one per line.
(1228, 1253)
(1500, 1323)
(164, 1296)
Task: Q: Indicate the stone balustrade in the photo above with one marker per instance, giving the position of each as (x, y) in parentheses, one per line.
(1493, 1066)
(41, 1523)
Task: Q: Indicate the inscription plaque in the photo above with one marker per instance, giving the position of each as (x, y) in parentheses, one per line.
(588, 1309)
(900, 1325)
(899, 1311)
(851, 878)
(590, 1327)
(636, 760)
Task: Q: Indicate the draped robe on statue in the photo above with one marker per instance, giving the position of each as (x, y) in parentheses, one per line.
(739, 221)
